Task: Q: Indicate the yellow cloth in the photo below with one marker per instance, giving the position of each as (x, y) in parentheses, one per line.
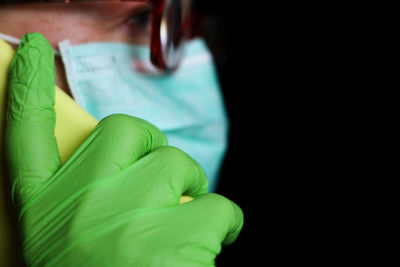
(73, 126)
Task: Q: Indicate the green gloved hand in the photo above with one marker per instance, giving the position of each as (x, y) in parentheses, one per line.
(115, 202)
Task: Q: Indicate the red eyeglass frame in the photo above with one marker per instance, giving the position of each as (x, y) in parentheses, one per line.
(157, 57)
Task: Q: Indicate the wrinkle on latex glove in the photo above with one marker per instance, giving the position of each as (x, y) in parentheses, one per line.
(29, 114)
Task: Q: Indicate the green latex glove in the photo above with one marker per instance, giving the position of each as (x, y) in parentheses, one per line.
(115, 202)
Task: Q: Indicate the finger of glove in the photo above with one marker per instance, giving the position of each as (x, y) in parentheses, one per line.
(199, 228)
(157, 180)
(222, 217)
(116, 143)
(168, 173)
(32, 151)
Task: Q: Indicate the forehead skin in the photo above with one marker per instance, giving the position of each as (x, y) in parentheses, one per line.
(79, 22)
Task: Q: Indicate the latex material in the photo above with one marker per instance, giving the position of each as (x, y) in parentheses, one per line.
(187, 106)
(115, 201)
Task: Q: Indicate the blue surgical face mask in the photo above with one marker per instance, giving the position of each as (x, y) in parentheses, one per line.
(186, 105)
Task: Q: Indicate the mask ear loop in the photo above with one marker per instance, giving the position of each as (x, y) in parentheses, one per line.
(10, 39)
(16, 41)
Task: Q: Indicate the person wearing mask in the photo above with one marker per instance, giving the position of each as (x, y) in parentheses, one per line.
(162, 134)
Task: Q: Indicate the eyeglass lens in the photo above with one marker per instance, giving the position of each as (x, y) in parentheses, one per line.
(171, 29)
(174, 15)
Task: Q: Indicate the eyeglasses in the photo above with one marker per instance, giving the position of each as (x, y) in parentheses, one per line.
(170, 27)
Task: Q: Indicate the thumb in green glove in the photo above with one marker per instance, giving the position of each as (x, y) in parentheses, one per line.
(115, 202)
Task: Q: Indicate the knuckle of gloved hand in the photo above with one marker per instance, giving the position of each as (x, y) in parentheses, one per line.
(128, 128)
(219, 216)
(178, 162)
(221, 207)
(118, 124)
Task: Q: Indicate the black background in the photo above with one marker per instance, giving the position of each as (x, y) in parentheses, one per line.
(268, 58)
(295, 79)
(239, 43)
